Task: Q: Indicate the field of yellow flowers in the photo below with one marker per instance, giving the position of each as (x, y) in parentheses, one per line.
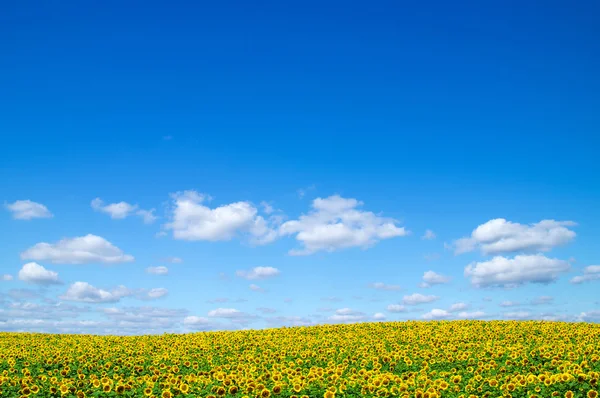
(400, 359)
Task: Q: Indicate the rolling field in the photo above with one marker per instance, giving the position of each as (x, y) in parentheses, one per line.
(402, 359)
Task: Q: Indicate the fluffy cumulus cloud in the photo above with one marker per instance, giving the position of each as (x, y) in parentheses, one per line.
(590, 273)
(122, 210)
(336, 223)
(161, 270)
(27, 210)
(258, 273)
(418, 298)
(37, 274)
(384, 286)
(433, 278)
(436, 313)
(83, 292)
(501, 236)
(511, 272)
(192, 220)
(79, 250)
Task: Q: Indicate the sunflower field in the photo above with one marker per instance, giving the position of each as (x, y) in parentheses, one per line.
(392, 359)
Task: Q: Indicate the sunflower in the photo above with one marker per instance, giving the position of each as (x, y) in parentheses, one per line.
(221, 391)
(592, 394)
(120, 389)
(106, 388)
(166, 394)
(147, 391)
(233, 390)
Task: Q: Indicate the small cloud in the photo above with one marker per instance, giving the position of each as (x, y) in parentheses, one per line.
(396, 308)
(80, 250)
(155, 293)
(512, 272)
(458, 307)
(6, 277)
(157, 270)
(123, 210)
(436, 313)
(383, 286)
(28, 210)
(590, 273)
(379, 316)
(37, 274)
(432, 278)
(267, 208)
(509, 304)
(173, 260)
(336, 223)
(429, 234)
(258, 273)
(499, 236)
(418, 298)
(256, 288)
(331, 299)
(86, 293)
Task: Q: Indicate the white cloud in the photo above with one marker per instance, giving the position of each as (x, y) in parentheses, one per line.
(501, 236)
(86, 293)
(436, 313)
(226, 313)
(37, 274)
(27, 210)
(510, 304)
(432, 278)
(79, 250)
(590, 316)
(267, 208)
(443, 314)
(122, 210)
(458, 307)
(157, 270)
(396, 308)
(256, 288)
(191, 220)
(511, 272)
(590, 273)
(418, 298)
(517, 315)
(429, 234)
(379, 316)
(173, 260)
(258, 273)
(156, 293)
(148, 216)
(198, 323)
(344, 315)
(335, 223)
(6, 277)
(471, 315)
(383, 286)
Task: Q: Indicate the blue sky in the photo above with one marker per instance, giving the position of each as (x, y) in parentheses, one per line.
(282, 163)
